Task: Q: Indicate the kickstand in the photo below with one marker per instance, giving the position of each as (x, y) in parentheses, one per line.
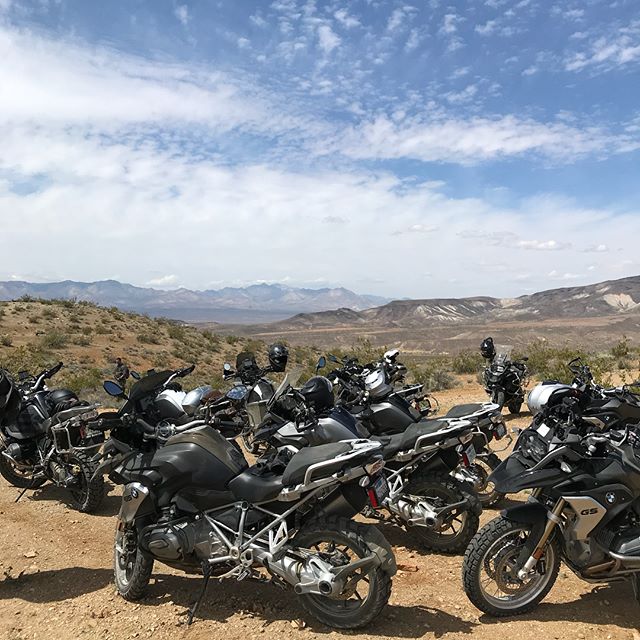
(22, 493)
(206, 570)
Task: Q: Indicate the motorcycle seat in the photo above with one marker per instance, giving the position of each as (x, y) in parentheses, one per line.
(297, 467)
(463, 410)
(255, 486)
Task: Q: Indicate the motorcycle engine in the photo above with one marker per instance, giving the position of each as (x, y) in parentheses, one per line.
(182, 541)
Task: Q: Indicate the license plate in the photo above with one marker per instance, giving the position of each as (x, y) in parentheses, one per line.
(470, 454)
(543, 430)
(381, 489)
(501, 430)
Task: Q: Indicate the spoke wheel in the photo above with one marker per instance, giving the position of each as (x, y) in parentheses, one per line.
(131, 568)
(458, 526)
(17, 476)
(365, 592)
(491, 564)
(482, 468)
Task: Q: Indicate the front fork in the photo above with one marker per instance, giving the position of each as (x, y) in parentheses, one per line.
(553, 519)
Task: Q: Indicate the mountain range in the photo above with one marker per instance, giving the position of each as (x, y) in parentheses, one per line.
(603, 299)
(255, 303)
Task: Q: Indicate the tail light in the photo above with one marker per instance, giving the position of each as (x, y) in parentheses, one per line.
(373, 499)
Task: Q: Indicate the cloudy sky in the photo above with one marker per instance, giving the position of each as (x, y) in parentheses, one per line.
(431, 148)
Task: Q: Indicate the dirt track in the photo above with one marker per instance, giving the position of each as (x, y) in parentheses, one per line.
(66, 589)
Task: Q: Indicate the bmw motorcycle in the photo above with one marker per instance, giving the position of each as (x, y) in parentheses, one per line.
(442, 513)
(196, 505)
(505, 381)
(584, 510)
(369, 393)
(49, 436)
(155, 408)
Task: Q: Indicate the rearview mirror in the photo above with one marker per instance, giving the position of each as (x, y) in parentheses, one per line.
(332, 358)
(322, 363)
(226, 366)
(525, 358)
(23, 375)
(135, 375)
(113, 389)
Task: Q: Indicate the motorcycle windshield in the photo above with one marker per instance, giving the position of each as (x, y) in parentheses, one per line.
(290, 380)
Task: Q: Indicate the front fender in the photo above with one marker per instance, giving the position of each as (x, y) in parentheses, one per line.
(529, 513)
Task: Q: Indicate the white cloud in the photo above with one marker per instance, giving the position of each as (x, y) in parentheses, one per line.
(346, 20)
(487, 28)
(412, 41)
(543, 245)
(182, 13)
(449, 24)
(476, 139)
(606, 53)
(243, 43)
(164, 282)
(327, 38)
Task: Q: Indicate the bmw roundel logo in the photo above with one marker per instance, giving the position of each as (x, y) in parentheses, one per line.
(134, 493)
(611, 497)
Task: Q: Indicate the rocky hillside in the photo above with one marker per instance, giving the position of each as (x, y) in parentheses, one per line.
(256, 303)
(602, 299)
(35, 335)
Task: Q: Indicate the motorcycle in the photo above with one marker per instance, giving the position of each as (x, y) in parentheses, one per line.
(440, 511)
(505, 381)
(584, 510)
(196, 505)
(49, 436)
(369, 393)
(155, 408)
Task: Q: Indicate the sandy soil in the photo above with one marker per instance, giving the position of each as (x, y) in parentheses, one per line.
(56, 582)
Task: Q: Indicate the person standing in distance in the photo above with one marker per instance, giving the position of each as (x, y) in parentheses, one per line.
(121, 373)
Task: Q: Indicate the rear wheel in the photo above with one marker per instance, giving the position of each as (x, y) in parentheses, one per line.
(87, 493)
(131, 568)
(490, 569)
(458, 526)
(482, 468)
(340, 541)
(14, 475)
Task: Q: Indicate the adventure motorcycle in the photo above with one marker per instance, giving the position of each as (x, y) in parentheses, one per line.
(49, 435)
(442, 512)
(505, 380)
(196, 505)
(384, 410)
(584, 510)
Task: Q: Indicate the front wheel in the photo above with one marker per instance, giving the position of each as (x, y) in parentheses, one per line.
(131, 568)
(456, 527)
(498, 397)
(340, 541)
(14, 475)
(490, 569)
(514, 407)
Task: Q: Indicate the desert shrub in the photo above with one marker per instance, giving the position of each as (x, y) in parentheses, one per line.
(435, 375)
(87, 331)
(27, 298)
(54, 340)
(147, 338)
(34, 319)
(6, 341)
(621, 350)
(81, 341)
(467, 362)
(48, 314)
(103, 330)
(84, 380)
(232, 340)
(177, 332)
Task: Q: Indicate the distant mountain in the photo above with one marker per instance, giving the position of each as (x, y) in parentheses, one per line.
(256, 303)
(602, 299)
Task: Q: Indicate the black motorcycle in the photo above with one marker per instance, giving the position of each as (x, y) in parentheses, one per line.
(442, 513)
(584, 510)
(505, 380)
(197, 506)
(369, 393)
(49, 435)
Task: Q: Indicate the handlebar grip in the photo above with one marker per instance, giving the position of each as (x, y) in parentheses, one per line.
(186, 371)
(53, 370)
(146, 426)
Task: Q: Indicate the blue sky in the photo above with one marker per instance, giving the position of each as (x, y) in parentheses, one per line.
(401, 148)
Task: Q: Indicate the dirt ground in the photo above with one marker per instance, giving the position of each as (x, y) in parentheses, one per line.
(56, 583)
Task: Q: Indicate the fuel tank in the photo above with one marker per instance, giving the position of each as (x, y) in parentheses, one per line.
(193, 469)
